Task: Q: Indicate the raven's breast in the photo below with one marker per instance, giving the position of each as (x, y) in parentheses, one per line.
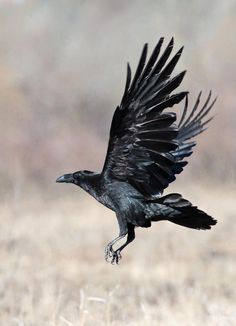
(126, 201)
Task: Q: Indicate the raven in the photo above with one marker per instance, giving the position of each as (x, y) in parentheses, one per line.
(146, 150)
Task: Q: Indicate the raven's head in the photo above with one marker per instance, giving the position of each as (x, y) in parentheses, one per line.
(78, 178)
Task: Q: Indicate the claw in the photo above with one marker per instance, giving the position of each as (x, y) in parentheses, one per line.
(108, 253)
(119, 254)
(112, 256)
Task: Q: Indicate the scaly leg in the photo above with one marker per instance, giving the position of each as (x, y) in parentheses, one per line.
(130, 238)
(110, 254)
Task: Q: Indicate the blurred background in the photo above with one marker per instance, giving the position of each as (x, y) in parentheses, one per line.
(62, 73)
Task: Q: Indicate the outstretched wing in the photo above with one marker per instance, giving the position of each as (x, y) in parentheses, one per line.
(145, 142)
(189, 127)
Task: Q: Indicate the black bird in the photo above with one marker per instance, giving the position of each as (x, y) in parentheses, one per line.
(146, 150)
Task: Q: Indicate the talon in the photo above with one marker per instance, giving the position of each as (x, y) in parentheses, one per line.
(113, 261)
(112, 256)
(119, 254)
(109, 253)
(116, 257)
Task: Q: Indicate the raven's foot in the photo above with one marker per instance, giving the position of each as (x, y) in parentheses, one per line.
(108, 252)
(116, 257)
(112, 256)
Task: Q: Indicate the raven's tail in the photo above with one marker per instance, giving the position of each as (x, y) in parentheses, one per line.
(176, 209)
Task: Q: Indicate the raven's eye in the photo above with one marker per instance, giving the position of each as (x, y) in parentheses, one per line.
(77, 174)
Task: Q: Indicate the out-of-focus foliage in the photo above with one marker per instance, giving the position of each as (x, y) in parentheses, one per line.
(62, 73)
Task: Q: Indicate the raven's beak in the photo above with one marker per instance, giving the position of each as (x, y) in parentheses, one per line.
(66, 178)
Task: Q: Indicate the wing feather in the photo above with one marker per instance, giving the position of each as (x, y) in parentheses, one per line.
(127, 84)
(146, 146)
(152, 60)
(150, 81)
(139, 69)
(190, 128)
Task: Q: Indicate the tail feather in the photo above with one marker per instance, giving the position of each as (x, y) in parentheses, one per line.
(193, 218)
(180, 211)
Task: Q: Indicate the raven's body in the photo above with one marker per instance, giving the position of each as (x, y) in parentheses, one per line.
(146, 150)
(116, 195)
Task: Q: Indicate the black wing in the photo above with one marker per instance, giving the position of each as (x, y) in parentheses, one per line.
(146, 147)
(190, 127)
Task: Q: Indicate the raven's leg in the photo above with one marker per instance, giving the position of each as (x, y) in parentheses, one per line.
(109, 252)
(130, 238)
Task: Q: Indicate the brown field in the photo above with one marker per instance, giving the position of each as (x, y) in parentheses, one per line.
(53, 271)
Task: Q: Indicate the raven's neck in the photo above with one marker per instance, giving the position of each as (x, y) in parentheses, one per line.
(91, 184)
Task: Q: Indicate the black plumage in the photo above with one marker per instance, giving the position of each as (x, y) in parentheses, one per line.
(147, 148)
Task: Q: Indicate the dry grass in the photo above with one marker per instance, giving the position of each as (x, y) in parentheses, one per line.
(53, 272)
